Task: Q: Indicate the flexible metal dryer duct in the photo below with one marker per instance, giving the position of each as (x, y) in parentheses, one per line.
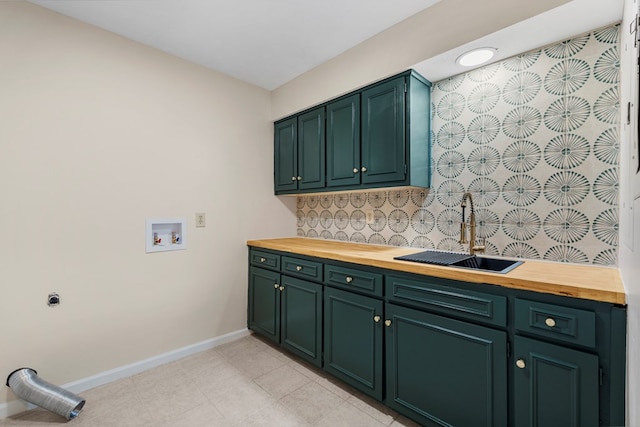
(26, 385)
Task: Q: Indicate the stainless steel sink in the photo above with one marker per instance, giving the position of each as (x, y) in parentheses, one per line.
(459, 260)
(495, 265)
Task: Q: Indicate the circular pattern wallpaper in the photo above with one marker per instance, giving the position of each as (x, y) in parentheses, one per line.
(534, 138)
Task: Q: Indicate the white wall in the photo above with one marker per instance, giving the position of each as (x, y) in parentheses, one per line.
(98, 133)
(629, 257)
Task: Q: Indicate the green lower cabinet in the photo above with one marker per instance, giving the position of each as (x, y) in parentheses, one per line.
(444, 372)
(353, 333)
(288, 311)
(301, 318)
(554, 386)
(264, 303)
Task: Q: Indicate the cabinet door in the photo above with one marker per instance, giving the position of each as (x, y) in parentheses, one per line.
(343, 142)
(264, 303)
(286, 155)
(383, 132)
(554, 385)
(301, 318)
(311, 149)
(444, 372)
(353, 340)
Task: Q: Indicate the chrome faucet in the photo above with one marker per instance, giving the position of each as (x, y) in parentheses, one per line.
(473, 248)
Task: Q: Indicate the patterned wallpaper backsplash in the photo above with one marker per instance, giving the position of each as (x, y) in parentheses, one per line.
(534, 138)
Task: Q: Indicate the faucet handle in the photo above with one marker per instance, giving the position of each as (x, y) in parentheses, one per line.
(480, 248)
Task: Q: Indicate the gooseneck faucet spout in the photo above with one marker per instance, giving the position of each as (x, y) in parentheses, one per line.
(473, 248)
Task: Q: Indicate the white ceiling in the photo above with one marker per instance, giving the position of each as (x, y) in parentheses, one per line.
(268, 43)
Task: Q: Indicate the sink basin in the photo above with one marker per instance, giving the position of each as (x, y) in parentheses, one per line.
(460, 260)
(495, 265)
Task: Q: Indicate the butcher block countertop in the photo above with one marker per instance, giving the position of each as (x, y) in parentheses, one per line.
(578, 281)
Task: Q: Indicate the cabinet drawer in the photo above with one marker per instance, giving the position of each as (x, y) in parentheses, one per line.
(264, 259)
(302, 268)
(441, 295)
(353, 279)
(566, 324)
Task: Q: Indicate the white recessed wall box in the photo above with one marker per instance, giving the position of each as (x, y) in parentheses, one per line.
(166, 234)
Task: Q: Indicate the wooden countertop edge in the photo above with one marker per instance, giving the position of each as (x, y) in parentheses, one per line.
(558, 281)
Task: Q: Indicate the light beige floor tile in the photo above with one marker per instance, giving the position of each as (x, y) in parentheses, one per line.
(404, 422)
(281, 381)
(206, 389)
(198, 364)
(307, 369)
(243, 346)
(202, 415)
(336, 386)
(347, 415)
(373, 408)
(311, 402)
(157, 374)
(218, 377)
(240, 399)
(255, 365)
(271, 416)
(173, 396)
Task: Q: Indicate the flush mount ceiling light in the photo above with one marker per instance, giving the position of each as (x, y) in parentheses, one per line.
(476, 56)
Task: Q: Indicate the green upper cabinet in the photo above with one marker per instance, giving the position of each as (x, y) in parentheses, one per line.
(311, 148)
(378, 136)
(286, 155)
(343, 142)
(299, 152)
(383, 132)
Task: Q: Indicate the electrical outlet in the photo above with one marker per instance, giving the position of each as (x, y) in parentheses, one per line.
(201, 220)
(369, 217)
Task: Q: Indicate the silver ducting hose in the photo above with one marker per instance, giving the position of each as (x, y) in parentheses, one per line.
(26, 385)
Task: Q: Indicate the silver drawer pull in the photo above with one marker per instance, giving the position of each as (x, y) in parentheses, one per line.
(376, 319)
(262, 259)
(276, 286)
(298, 267)
(550, 322)
(281, 288)
(520, 363)
(387, 322)
(355, 170)
(349, 279)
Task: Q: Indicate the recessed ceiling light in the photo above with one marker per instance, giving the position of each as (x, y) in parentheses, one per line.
(476, 56)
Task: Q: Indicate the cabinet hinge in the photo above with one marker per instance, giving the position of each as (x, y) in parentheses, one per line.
(601, 376)
(405, 87)
(405, 169)
(508, 349)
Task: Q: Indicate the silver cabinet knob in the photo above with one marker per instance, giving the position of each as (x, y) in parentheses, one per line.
(387, 322)
(520, 363)
(293, 178)
(376, 319)
(348, 279)
(364, 169)
(262, 259)
(355, 170)
(276, 286)
(298, 267)
(550, 322)
(281, 288)
(299, 178)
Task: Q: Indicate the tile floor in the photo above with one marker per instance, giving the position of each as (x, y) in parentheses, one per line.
(246, 382)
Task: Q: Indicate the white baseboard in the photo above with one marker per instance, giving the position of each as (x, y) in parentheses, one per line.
(16, 406)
